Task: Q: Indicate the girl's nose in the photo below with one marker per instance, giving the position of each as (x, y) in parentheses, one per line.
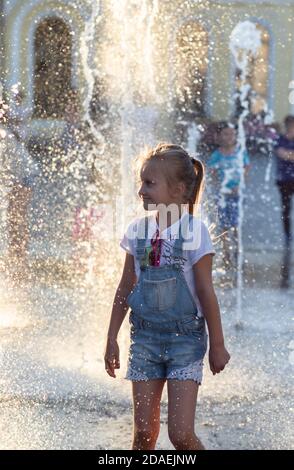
(141, 192)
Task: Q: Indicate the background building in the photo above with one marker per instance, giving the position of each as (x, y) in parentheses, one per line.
(139, 67)
(43, 48)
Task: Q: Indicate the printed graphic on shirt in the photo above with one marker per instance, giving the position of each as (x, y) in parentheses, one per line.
(163, 257)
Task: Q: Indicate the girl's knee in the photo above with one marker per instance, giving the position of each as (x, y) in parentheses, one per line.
(184, 440)
(177, 437)
(146, 437)
(147, 430)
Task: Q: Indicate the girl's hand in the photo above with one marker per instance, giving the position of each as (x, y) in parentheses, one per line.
(218, 358)
(235, 190)
(111, 357)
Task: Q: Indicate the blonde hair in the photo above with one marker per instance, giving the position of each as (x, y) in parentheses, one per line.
(180, 167)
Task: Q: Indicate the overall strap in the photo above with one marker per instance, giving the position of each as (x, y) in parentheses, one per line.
(183, 230)
(142, 235)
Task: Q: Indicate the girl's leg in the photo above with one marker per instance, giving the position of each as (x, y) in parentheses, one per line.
(226, 250)
(146, 402)
(286, 195)
(182, 398)
(235, 253)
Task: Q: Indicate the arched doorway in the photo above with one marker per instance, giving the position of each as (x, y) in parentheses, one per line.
(191, 63)
(52, 68)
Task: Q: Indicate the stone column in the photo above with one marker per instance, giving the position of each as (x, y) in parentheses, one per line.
(2, 41)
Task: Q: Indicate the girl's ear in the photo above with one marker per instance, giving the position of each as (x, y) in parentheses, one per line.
(180, 188)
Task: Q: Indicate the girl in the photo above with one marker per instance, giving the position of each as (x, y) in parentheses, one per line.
(167, 283)
(226, 176)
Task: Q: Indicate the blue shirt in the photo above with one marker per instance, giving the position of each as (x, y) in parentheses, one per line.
(227, 167)
(284, 168)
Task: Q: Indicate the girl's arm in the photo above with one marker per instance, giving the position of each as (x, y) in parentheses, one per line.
(120, 307)
(285, 154)
(218, 355)
(246, 170)
(119, 311)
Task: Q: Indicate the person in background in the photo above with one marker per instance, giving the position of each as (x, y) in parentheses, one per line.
(284, 151)
(18, 173)
(226, 178)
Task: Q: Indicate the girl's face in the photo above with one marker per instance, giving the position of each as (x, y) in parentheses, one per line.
(154, 188)
(290, 131)
(227, 137)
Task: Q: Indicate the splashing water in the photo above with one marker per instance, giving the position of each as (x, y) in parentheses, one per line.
(52, 330)
(194, 136)
(244, 42)
(132, 26)
(86, 47)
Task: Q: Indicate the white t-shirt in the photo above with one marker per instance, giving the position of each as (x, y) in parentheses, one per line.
(194, 247)
(15, 160)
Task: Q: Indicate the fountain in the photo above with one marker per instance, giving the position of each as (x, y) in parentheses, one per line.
(245, 42)
(53, 328)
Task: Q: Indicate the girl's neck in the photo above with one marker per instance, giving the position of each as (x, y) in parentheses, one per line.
(289, 136)
(228, 150)
(166, 219)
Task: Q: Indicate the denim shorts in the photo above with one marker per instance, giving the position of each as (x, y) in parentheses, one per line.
(158, 354)
(229, 214)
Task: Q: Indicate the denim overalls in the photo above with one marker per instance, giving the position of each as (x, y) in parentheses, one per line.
(168, 338)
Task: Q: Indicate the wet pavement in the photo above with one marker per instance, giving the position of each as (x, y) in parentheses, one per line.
(56, 395)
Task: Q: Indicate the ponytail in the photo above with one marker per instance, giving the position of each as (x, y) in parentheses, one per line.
(197, 191)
